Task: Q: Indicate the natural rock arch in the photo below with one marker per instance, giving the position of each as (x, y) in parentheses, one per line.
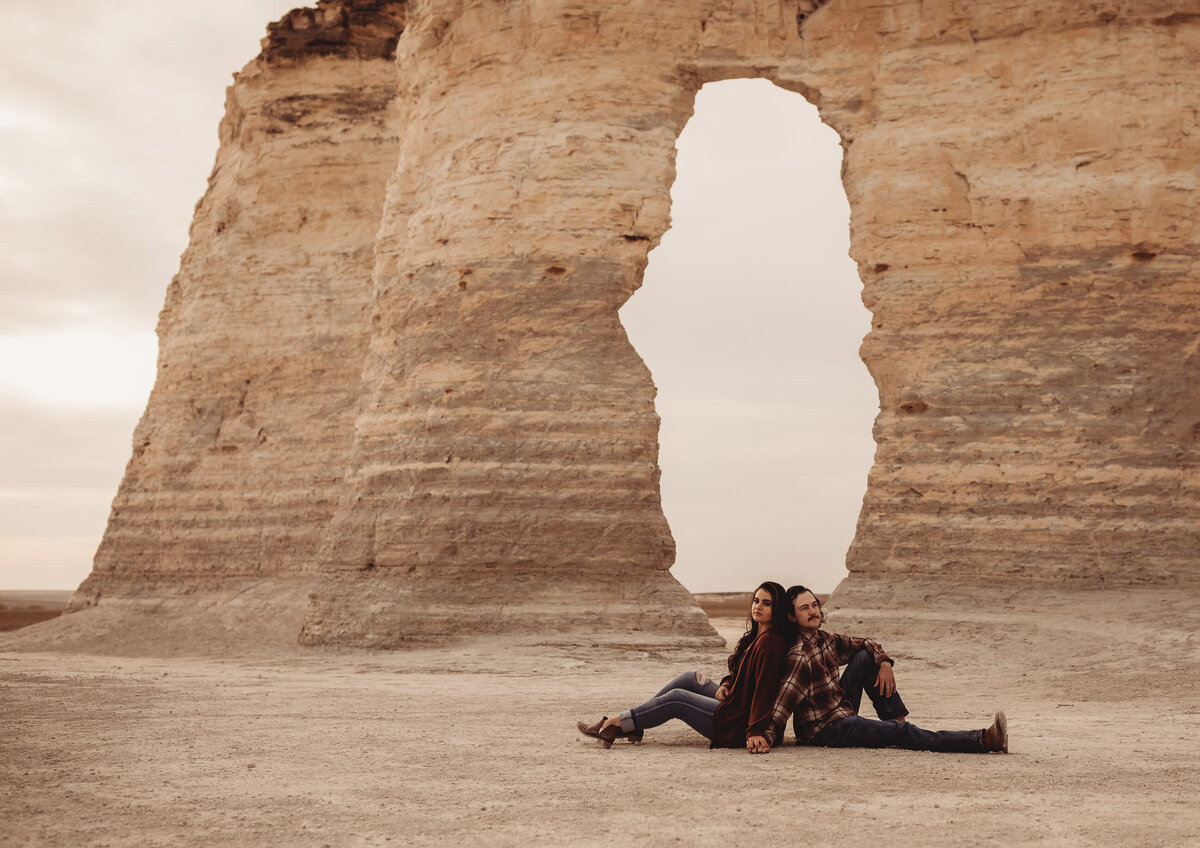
(453, 433)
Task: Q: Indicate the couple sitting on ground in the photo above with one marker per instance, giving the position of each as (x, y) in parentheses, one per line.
(785, 665)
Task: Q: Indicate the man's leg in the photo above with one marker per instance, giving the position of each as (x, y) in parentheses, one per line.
(859, 732)
(859, 677)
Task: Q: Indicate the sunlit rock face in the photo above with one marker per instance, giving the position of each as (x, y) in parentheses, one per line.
(465, 441)
(1022, 179)
(239, 458)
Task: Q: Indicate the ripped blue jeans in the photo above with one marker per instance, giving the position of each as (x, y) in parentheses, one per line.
(690, 697)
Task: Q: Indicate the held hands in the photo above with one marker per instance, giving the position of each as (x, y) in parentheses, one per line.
(885, 680)
(722, 693)
(758, 745)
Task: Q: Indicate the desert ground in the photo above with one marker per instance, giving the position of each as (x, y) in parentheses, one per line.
(476, 742)
(22, 608)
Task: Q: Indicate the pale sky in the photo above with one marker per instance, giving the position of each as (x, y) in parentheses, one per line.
(749, 319)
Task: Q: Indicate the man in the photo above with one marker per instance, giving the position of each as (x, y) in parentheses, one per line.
(825, 707)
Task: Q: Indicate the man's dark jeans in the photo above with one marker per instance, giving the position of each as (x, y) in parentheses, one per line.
(859, 677)
(858, 732)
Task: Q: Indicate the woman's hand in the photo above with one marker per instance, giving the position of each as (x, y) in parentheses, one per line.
(758, 745)
(722, 692)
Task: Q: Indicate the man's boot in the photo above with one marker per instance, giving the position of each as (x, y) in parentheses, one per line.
(995, 738)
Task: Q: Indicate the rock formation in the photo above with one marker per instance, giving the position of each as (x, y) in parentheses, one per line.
(464, 439)
(239, 458)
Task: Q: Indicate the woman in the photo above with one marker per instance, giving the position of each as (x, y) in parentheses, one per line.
(730, 714)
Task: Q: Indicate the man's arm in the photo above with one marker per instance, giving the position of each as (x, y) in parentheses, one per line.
(848, 646)
(885, 680)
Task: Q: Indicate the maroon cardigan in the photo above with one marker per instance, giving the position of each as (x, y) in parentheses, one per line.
(746, 710)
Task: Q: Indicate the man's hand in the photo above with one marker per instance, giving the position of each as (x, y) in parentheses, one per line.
(758, 745)
(722, 693)
(885, 681)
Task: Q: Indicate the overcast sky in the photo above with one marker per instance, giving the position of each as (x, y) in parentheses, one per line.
(749, 319)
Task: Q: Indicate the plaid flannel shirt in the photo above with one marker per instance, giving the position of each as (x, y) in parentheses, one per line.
(811, 688)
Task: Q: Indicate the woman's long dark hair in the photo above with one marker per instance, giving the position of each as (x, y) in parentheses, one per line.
(781, 623)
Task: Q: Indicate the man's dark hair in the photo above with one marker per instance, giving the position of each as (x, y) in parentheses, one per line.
(794, 592)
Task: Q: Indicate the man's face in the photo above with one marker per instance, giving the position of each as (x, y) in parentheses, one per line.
(808, 611)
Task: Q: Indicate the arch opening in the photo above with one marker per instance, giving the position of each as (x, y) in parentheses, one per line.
(749, 318)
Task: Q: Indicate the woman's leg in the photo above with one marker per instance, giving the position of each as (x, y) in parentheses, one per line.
(692, 681)
(688, 681)
(695, 682)
(692, 708)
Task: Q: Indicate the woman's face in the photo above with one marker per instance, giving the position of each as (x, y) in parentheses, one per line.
(761, 609)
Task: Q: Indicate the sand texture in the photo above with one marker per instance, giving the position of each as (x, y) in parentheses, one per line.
(476, 743)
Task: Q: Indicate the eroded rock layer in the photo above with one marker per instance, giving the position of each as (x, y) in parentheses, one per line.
(238, 460)
(1022, 179)
(1021, 230)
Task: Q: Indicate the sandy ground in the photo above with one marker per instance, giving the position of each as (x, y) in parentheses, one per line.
(477, 742)
(22, 608)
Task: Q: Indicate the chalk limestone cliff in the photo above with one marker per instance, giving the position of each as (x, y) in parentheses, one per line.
(422, 401)
(238, 460)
